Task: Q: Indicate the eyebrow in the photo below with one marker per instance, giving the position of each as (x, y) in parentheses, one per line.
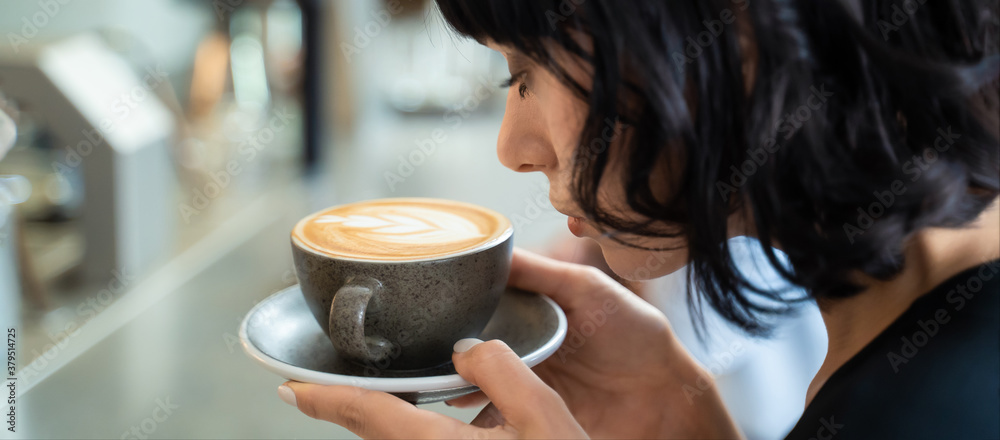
(518, 60)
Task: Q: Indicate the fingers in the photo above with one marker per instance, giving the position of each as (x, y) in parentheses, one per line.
(523, 399)
(371, 414)
(489, 417)
(570, 285)
(469, 400)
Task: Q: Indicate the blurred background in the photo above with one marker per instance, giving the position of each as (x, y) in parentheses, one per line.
(164, 150)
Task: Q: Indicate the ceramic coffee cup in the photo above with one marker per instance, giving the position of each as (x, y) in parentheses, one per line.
(395, 282)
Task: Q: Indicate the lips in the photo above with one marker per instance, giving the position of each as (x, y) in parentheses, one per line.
(576, 224)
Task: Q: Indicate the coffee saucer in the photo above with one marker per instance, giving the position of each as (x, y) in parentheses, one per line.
(281, 334)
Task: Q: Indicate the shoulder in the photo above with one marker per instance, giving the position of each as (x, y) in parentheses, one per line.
(934, 373)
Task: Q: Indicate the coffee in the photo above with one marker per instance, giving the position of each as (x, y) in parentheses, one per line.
(402, 229)
(395, 282)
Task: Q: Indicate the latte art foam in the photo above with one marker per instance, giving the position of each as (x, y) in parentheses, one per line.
(400, 229)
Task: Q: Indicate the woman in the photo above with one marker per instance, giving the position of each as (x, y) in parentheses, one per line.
(858, 137)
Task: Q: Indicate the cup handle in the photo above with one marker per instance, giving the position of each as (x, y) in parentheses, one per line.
(347, 323)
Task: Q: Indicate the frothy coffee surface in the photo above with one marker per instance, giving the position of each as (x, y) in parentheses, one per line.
(400, 229)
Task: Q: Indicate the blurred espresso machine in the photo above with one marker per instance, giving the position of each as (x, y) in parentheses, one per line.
(108, 138)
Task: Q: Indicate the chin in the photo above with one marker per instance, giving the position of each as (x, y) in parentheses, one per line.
(639, 265)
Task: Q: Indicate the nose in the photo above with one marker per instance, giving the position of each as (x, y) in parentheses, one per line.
(523, 144)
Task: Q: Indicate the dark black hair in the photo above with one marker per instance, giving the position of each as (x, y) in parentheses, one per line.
(866, 121)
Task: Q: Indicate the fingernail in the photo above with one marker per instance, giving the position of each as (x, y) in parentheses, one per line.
(463, 345)
(287, 395)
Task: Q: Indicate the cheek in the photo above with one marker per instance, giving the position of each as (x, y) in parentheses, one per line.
(565, 119)
(638, 265)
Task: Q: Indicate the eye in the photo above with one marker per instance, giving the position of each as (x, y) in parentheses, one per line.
(522, 90)
(519, 80)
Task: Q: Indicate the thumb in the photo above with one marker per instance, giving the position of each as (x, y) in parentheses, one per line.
(520, 396)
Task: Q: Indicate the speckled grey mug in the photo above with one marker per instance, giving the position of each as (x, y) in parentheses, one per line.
(403, 315)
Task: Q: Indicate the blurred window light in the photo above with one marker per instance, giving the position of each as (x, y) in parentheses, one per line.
(249, 75)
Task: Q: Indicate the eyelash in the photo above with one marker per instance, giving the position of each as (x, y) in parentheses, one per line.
(518, 79)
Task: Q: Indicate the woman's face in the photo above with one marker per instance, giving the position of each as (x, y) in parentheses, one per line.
(540, 132)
